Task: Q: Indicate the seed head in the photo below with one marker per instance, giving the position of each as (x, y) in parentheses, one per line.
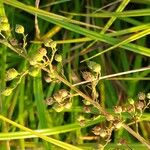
(19, 29)
(11, 74)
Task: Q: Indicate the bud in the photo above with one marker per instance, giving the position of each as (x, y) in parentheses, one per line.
(19, 29)
(11, 74)
(94, 66)
(58, 58)
(34, 71)
(117, 124)
(7, 91)
(4, 26)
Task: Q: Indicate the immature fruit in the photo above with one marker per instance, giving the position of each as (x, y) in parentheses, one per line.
(19, 29)
(11, 74)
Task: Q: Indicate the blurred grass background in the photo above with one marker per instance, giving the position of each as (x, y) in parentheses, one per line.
(26, 104)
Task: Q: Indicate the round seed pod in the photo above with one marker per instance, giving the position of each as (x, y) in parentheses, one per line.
(118, 109)
(42, 51)
(19, 29)
(103, 133)
(11, 74)
(95, 67)
(58, 108)
(58, 58)
(4, 26)
(109, 117)
(49, 101)
(34, 71)
(141, 96)
(148, 95)
(58, 97)
(68, 105)
(63, 93)
(96, 130)
(7, 91)
(140, 105)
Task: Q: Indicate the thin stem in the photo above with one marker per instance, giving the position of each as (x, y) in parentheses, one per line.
(116, 74)
(140, 138)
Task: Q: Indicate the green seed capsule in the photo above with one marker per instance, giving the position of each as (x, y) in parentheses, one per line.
(94, 66)
(7, 91)
(58, 58)
(34, 71)
(4, 26)
(19, 29)
(11, 74)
